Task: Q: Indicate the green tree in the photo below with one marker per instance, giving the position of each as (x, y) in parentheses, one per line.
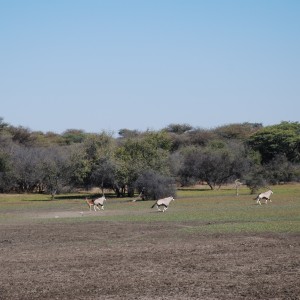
(282, 139)
(104, 174)
(178, 128)
(74, 136)
(88, 156)
(80, 167)
(215, 164)
(147, 152)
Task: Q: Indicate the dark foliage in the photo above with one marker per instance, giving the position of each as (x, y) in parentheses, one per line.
(155, 186)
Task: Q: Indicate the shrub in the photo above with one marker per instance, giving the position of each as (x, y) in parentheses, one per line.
(155, 185)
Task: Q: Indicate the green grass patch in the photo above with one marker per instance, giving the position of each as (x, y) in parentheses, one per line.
(205, 210)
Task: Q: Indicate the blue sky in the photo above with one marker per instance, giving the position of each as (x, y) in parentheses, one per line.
(107, 65)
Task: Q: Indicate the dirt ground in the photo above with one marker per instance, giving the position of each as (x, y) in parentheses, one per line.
(110, 260)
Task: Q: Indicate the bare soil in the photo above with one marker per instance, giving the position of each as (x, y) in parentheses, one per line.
(110, 260)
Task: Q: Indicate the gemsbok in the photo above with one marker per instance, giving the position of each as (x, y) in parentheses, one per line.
(266, 195)
(163, 202)
(99, 202)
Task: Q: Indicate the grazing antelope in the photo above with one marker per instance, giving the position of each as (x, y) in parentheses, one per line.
(265, 195)
(99, 202)
(163, 202)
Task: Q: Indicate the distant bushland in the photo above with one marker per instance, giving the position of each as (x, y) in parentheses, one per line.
(152, 161)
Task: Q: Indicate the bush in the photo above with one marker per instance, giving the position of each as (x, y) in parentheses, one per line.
(155, 186)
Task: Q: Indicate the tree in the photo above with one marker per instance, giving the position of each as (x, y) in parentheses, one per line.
(216, 164)
(22, 135)
(35, 169)
(240, 131)
(25, 172)
(178, 128)
(282, 139)
(127, 133)
(256, 178)
(80, 167)
(3, 125)
(279, 169)
(147, 152)
(55, 169)
(74, 136)
(88, 156)
(104, 174)
(4, 168)
(201, 137)
(155, 185)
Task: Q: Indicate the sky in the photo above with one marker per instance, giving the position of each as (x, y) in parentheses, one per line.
(106, 65)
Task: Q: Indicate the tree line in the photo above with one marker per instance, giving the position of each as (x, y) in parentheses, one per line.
(151, 162)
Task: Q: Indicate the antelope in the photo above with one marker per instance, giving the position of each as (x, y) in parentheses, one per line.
(266, 195)
(90, 203)
(163, 202)
(99, 202)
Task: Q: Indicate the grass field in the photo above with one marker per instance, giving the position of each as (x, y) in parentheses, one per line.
(221, 209)
(207, 245)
